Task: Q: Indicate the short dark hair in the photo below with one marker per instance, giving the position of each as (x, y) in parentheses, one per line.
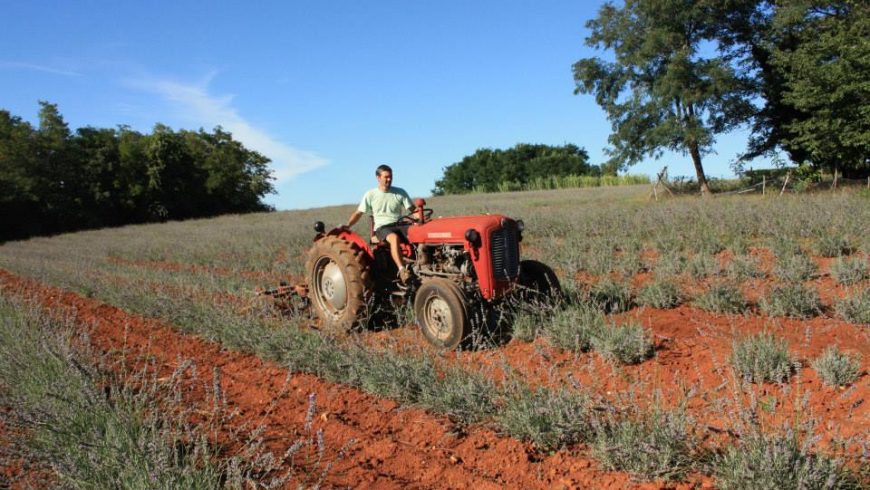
(381, 169)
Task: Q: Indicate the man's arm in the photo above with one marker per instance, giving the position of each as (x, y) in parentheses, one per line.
(354, 218)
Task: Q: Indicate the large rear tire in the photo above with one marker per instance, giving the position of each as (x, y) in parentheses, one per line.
(340, 283)
(442, 313)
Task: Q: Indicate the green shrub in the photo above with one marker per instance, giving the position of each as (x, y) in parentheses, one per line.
(574, 327)
(744, 266)
(831, 245)
(795, 300)
(777, 461)
(548, 419)
(656, 445)
(855, 308)
(722, 297)
(762, 358)
(670, 264)
(661, 293)
(629, 343)
(610, 296)
(527, 326)
(794, 268)
(702, 265)
(836, 368)
(849, 271)
(464, 396)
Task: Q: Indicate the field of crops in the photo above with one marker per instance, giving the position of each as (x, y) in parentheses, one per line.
(704, 343)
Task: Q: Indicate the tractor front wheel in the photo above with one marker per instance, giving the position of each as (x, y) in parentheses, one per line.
(539, 283)
(441, 310)
(339, 282)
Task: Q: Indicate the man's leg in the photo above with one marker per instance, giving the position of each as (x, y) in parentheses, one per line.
(404, 273)
(393, 240)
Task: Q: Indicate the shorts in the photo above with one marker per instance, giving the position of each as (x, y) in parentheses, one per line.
(401, 230)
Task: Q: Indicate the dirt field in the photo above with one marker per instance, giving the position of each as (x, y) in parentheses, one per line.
(151, 292)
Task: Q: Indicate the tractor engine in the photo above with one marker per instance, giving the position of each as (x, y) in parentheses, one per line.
(444, 260)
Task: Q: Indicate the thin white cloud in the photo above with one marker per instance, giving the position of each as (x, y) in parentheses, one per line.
(207, 110)
(18, 65)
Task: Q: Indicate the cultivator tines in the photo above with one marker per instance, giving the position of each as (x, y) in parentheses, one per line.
(286, 299)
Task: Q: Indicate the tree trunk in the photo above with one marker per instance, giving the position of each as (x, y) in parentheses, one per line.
(699, 169)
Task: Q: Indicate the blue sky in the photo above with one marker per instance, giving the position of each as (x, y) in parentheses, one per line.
(327, 89)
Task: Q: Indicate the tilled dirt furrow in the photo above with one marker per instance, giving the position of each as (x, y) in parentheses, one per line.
(393, 447)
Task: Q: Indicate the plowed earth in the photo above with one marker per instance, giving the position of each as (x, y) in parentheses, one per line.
(410, 448)
(393, 447)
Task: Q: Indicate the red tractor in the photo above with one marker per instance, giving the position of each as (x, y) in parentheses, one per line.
(462, 266)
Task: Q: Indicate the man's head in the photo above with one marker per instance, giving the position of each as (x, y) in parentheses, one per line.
(385, 177)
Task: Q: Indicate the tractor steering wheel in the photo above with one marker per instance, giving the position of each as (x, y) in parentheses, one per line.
(411, 218)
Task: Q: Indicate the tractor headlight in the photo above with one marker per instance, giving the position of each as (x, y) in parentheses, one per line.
(472, 236)
(520, 225)
(319, 227)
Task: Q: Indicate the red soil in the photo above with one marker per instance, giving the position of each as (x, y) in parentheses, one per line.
(409, 447)
(394, 447)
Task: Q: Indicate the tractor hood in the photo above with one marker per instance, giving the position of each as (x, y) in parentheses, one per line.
(452, 229)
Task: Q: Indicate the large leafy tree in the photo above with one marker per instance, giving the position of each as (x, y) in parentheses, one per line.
(826, 76)
(487, 168)
(54, 180)
(662, 91)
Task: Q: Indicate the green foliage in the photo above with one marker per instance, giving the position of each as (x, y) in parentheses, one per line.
(836, 368)
(662, 92)
(763, 461)
(514, 169)
(849, 271)
(795, 300)
(702, 265)
(661, 293)
(87, 424)
(610, 296)
(574, 327)
(794, 268)
(722, 297)
(744, 266)
(654, 445)
(832, 245)
(630, 343)
(824, 72)
(549, 419)
(762, 358)
(52, 180)
(855, 308)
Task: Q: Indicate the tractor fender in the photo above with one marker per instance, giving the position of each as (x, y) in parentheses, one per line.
(347, 235)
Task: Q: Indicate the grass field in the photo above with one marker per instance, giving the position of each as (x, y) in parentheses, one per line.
(722, 341)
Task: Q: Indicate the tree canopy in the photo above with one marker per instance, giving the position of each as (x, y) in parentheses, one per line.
(682, 71)
(662, 91)
(53, 180)
(486, 168)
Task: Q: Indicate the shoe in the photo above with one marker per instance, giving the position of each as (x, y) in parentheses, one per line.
(405, 275)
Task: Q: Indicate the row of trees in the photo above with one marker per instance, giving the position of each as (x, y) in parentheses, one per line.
(53, 180)
(795, 72)
(486, 169)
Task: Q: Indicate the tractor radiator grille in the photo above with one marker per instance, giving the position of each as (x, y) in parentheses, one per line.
(505, 253)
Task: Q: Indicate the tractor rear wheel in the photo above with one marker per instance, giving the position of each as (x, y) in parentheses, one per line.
(539, 283)
(340, 283)
(442, 313)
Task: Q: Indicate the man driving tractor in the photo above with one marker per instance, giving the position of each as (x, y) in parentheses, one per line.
(387, 204)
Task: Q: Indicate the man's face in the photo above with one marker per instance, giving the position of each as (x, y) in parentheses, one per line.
(385, 180)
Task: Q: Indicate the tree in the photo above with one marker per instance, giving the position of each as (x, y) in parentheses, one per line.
(486, 169)
(661, 92)
(826, 77)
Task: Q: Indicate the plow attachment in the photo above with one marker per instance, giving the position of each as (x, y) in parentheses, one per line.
(285, 300)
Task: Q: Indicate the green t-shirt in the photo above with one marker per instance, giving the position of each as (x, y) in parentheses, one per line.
(386, 207)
